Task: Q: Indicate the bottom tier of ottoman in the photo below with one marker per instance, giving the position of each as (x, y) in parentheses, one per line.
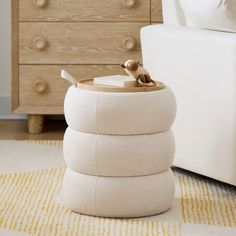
(118, 196)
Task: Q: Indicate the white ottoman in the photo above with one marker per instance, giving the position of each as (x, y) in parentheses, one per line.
(118, 155)
(118, 196)
(119, 113)
(118, 149)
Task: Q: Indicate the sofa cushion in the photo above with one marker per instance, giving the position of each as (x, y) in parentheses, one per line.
(211, 14)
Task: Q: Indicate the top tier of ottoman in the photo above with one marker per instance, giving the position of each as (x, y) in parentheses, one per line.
(119, 113)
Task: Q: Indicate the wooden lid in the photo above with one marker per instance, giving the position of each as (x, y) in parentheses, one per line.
(88, 85)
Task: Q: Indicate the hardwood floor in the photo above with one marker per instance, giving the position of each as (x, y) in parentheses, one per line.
(17, 130)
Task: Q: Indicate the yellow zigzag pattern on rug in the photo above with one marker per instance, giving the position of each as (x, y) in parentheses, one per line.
(28, 204)
(206, 201)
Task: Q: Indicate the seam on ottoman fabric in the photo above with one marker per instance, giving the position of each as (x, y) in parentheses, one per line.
(97, 114)
(95, 196)
(96, 156)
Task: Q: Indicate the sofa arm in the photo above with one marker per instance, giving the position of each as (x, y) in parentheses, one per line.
(200, 67)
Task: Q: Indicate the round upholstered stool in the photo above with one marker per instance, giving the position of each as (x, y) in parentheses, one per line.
(118, 196)
(118, 155)
(118, 149)
(119, 113)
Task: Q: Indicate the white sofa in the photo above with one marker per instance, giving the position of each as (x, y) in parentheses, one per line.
(200, 66)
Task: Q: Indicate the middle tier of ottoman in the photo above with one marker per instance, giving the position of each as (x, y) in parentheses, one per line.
(118, 155)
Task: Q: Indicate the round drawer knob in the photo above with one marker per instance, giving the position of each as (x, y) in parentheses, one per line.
(128, 43)
(128, 3)
(40, 3)
(40, 86)
(40, 43)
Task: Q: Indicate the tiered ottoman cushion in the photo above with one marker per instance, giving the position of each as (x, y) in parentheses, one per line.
(119, 149)
(119, 113)
(118, 196)
(118, 155)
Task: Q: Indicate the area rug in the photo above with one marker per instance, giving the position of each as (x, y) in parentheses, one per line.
(30, 182)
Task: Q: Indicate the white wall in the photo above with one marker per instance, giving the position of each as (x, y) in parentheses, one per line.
(5, 60)
(5, 47)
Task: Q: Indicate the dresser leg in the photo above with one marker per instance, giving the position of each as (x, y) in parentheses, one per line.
(35, 124)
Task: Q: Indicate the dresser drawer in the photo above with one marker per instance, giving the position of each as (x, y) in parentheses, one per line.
(84, 10)
(156, 11)
(42, 89)
(78, 43)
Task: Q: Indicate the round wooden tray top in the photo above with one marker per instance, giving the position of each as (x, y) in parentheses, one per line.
(89, 85)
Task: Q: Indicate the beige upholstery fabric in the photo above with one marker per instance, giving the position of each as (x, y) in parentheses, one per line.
(202, 75)
(119, 113)
(118, 149)
(117, 155)
(118, 196)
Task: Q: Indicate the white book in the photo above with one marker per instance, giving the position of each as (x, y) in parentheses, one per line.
(116, 81)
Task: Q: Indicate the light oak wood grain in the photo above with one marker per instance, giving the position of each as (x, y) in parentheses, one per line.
(78, 43)
(156, 11)
(84, 10)
(85, 37)
(50, 101)
(18, 130)
(88, 84)
(35, 124)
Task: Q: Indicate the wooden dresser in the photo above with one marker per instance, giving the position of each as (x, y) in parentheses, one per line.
(86, 37)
